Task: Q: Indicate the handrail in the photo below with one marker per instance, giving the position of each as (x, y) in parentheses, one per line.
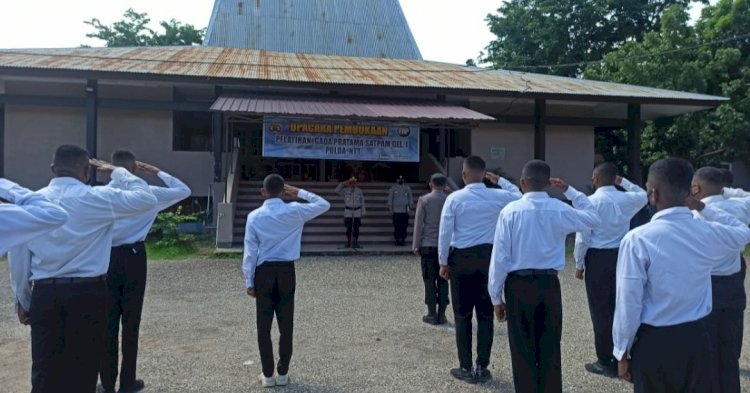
(233, 177)
(442, 169)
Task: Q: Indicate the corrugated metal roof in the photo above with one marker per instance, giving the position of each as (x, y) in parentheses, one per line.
(346, 109)
(246, 65)
(362, 28)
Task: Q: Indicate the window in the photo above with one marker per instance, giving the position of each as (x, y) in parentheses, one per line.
(191, 131)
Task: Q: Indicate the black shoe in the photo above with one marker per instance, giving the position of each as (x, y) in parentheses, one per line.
(441, 319)
(482, 374)
(431, 319)
(356, 244)
(100, 389)
(137, 386)
(602, 369)
(464, 374)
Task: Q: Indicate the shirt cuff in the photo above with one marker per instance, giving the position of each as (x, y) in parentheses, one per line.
(303, 194)
(619, 353)
(579, 264)
(625, 183)
(497, 300)
(6, 190)
(571, 193)
(163, 175)
(250, 282)
(121, 175)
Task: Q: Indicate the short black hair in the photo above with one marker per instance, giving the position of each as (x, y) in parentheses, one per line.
(713, 177)
(728, 177)
(475, 164)
(607, 172)
(674, 176)
(123, 158)
(438, 180)
(537, 174)
(70, 157)
(273, 184)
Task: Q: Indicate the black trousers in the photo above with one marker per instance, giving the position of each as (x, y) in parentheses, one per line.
(275, 285)
(725, 324)
(67, 331)
(601, 266)
(672, 358)
(435, 287)
(534, 309)
(469, 269)
(400, 223)
(352, 227)
(126, 285)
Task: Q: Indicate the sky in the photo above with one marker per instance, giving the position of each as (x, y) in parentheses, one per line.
(450, 31)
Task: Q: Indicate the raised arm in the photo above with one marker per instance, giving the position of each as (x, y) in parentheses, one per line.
(733, 234)
(636, 199)
(174, 191)
(736, 193)
(580, 218)
(418, 226)
(135, 196)
(29, 215)
(504, 184)
(314, 207)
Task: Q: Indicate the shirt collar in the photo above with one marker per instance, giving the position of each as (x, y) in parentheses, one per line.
(672, 211)
(476, 185)
(65, 181)
(607, 189)
(536, 195)
(712, 199)
(273, 201)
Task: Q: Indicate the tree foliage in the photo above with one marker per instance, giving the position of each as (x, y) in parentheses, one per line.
(133, 30)
(542, 32)
(695, 62)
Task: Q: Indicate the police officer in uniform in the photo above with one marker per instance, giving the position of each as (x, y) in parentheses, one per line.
(354, 210)
(400, 202)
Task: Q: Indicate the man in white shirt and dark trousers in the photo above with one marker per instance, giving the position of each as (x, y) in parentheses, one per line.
(67, 270)
(725, 322)
(126, 277)
(596, 255)
(273, 237)
(664, 285)
(464, 247)
(527, 254)
(26, 216)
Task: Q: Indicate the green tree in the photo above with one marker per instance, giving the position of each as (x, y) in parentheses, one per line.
(544, 32)
(133, 30)
(706, 58)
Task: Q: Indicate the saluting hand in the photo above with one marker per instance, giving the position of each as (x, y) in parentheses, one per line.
(618, 180)
(623, 369)
(146, 168)
(102, 166)
(559, 184)
(23, 315)
(500, 313)
(291, 191)
(492, 177)
(251, 292)
(694, 204)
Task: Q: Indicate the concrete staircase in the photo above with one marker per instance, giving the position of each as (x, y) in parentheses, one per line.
(328, 230)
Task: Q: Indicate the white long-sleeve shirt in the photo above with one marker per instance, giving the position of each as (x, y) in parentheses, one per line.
(530, 234)
(81, 247)
(664, 270)
(736, 208)
(616, 209)
(469, 216)
(135, 228)
(273, 231)
(743, 197)
(29, 216)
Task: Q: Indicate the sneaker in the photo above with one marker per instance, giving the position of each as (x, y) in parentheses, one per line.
(282, 380)
(482, 374)
(463, 374)
(137, 386)
(267, 382)
(601, 369)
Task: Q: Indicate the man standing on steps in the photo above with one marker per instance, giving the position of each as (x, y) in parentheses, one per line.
(424, 245)
(126, 277)
(354, 210)
(596, 254)
(467, 226)
(273, 236)
(400, 203)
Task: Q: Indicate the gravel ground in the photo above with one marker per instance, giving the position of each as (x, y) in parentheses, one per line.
(358, 329)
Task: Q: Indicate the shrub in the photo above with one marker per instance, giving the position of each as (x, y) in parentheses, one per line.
(165, 229)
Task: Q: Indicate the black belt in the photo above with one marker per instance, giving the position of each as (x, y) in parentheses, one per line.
(70, 280)
(352, 208)
(129, 246)
(276, 263)
(533, 272)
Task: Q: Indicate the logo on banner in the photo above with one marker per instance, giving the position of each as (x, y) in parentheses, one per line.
(403, 132)
(275, 127)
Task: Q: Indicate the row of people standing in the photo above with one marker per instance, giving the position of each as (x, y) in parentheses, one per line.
(79, 280)
(514, 264)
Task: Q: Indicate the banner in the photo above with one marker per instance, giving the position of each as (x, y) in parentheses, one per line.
(332, 140)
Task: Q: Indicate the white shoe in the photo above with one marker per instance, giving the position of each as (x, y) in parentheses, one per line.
(267, 382)
(282, 380)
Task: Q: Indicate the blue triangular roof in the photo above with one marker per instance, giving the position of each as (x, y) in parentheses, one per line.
(356, 28)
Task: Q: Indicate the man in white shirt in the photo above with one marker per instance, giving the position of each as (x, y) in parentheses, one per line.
(273, 237)
(527, 254)
(664, 285)
(27, 215)
(126, 277)
(464, 248)
(725, 322)
(68, 267)
(596, 254)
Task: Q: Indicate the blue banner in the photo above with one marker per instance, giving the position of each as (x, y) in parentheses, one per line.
(333, 140)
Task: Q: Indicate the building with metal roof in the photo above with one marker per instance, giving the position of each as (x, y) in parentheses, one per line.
(371, 28)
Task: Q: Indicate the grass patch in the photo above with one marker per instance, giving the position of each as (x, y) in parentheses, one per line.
(202, 247)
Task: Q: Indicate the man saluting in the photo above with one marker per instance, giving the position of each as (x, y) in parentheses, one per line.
(273, 237)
